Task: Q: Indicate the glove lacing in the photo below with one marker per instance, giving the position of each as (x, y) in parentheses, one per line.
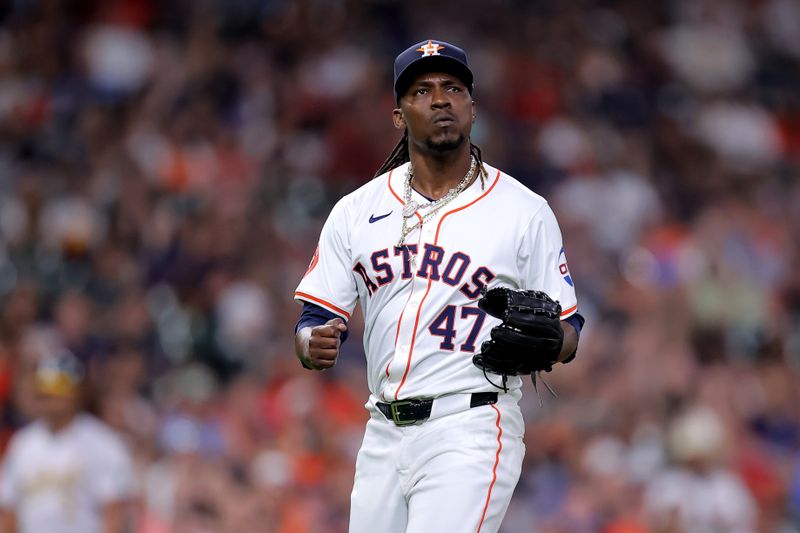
(534, 375)
(549, 388)
(503, 388)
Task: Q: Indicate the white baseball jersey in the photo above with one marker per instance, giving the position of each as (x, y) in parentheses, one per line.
(60, 482)
(422, 322)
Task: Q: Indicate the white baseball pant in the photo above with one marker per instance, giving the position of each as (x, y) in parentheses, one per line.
(453, 474)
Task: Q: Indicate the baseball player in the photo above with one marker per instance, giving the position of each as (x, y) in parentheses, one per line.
(464, 286)
(66, 472)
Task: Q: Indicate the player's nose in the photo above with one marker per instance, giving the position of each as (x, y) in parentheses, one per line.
(439, 98)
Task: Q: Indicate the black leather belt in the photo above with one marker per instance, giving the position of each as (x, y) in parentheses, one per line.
(406, 412)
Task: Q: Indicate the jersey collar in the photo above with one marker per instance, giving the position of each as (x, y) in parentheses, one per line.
(397, 179)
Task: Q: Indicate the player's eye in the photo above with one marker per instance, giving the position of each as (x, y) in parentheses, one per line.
(454, 88)
(421, 90)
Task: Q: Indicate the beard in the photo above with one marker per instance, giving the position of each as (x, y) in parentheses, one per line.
(445, 145)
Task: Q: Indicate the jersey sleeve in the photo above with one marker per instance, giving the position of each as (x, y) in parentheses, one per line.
(329, 281)
(542, 261)
(113, 478)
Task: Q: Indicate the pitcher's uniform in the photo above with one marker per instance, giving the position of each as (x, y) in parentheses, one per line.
(455, 471)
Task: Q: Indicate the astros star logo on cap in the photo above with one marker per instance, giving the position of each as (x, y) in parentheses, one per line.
(430, 49)
(430, 56)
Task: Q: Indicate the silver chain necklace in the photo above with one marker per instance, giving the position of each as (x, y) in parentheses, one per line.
(411, 207)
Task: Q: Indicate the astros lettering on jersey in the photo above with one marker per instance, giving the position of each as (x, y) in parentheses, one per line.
(422, 322)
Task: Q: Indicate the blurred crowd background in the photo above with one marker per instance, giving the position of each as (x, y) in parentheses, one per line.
(166, 166)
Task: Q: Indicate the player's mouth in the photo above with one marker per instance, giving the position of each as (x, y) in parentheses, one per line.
(443, 121)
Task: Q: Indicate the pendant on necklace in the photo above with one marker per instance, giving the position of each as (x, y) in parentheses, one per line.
(409, 209)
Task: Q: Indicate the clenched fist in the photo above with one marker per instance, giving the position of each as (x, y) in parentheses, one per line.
(318, 347)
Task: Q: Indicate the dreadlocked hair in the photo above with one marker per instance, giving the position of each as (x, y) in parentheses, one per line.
(399, 156)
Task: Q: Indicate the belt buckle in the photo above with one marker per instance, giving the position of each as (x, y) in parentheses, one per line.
(396, 416)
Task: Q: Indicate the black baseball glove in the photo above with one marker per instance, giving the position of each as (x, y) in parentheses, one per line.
(530, 337)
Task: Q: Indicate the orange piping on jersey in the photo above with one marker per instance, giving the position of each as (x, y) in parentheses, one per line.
(413, 338)
(569, 311)
(400, 320)
(456, 210)
(419, 309)
(304, 296)
(494, 470)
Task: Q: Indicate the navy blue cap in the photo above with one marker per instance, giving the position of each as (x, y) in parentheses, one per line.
(430, 56)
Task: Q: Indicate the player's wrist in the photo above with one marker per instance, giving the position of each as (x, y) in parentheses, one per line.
(569, 345)
(301, 347)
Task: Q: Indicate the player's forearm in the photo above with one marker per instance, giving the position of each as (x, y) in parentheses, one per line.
(8, 521)
(570, 341)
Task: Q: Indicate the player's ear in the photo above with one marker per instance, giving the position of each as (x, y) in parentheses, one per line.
(398, 119)
(474, 112)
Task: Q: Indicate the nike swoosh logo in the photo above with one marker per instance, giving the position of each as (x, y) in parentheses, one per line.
(373, 218)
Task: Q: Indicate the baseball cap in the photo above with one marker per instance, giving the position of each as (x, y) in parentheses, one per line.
(428, 56)
(59, 374)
